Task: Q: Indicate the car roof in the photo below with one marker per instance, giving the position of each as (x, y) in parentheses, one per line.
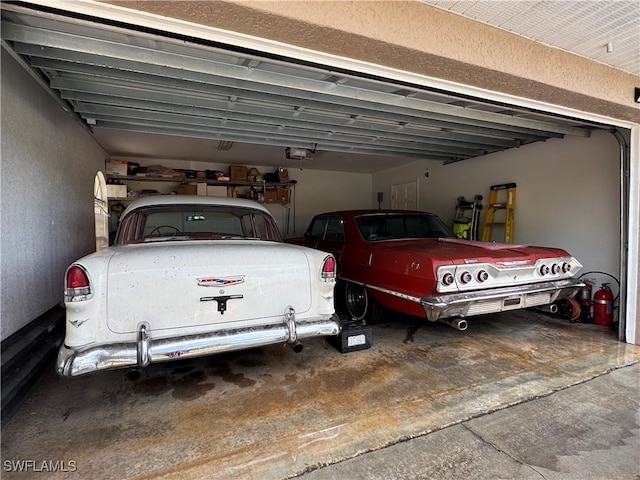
(356, 213)
(153, 200)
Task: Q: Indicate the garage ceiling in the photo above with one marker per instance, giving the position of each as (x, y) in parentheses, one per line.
(149, 95)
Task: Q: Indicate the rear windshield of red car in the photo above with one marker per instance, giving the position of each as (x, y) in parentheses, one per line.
(378, 227)
(195, 222)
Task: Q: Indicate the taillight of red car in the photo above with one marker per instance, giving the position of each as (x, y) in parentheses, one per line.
(78, 287)
(328, 271)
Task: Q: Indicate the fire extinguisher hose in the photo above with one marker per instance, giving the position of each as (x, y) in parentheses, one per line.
(608, 275)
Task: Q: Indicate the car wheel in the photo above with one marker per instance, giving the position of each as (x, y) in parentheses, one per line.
(360, 305)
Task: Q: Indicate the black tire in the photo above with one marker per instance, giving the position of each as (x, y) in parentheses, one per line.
(360, 305)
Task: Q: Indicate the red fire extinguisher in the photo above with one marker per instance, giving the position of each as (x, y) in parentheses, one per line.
(603, 306)
(584, 297)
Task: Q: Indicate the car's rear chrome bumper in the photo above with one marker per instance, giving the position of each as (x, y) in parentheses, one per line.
(72, 362)
(498, 299)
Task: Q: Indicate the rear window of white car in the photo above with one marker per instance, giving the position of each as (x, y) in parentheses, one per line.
(195, 222)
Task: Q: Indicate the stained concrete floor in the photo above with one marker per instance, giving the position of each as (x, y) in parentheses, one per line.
(269, 413)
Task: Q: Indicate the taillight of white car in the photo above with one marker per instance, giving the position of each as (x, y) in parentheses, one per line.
(78, 286)
(328, 271)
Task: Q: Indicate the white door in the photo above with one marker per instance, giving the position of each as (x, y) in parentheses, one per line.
(404, 196)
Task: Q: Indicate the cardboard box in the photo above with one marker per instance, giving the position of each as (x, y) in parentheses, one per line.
(116, 167)
(238, 173)
(201, 188)
(283, 175)
(116, 191)
(276, 195)
(187, 189)
(216, 191)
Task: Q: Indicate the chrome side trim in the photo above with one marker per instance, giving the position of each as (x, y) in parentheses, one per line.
(459, 304)
(145, 350)
(395, 293)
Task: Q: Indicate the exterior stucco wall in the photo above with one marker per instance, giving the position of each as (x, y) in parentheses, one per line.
(46, 215)
(418, 38)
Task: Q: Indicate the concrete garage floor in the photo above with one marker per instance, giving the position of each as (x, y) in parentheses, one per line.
(269, 413)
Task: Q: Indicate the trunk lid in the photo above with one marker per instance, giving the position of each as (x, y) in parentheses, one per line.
(458, 251)
(172, 285)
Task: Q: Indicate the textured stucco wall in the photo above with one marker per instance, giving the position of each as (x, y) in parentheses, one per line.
(46, 215)
(411, 36)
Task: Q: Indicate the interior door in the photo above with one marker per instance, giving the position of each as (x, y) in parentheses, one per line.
(404, 196)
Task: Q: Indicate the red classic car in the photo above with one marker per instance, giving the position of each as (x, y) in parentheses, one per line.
(410, 262)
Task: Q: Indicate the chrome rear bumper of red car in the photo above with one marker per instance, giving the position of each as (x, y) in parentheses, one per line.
(72, 362)
(498, 299)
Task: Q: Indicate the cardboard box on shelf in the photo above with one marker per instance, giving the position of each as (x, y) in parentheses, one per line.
(271, 195)
(238, 173)
(187, 189)
(201, 188)
(216, 191)
(116, 191)
(283, 194)
(276, 195)
(116, 167)
(283, 175)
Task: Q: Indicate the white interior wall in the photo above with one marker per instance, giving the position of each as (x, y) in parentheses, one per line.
(568, 193)
(48, 165)
(316, 191)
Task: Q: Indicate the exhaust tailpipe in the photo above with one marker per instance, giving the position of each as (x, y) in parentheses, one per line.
(551, 308)
(459, 323)
(296, 347)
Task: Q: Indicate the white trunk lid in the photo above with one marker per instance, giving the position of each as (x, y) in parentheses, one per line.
(172, 285)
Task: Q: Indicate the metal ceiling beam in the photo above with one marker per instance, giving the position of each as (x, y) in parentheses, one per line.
(181, 65)
(125, 75)
(196, 94)
(239, 108)
(336, 147)
(283, 137)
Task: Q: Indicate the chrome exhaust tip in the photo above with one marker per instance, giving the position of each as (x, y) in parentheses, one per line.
(550, 308)
(457, 323)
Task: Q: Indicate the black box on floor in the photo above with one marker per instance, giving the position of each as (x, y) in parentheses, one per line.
(353, 337)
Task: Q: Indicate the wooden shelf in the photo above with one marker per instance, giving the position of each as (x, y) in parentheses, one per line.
(266, 188)
(234, 183)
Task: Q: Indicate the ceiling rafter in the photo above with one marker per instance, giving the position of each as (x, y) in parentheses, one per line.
(138, 82)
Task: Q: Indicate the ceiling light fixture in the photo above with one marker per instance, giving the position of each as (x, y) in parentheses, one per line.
(295, 153)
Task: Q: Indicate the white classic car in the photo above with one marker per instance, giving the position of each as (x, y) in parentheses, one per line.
(191, 276)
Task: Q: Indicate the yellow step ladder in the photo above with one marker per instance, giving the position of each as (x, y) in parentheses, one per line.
(508, 205)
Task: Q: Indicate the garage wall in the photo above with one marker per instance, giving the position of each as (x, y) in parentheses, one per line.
(317, 191)
(48, 166)
(568, 193)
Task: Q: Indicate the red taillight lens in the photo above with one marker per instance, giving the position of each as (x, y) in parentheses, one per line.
(447, 279)
(77, 278)
(328, 269)
(78, 286)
